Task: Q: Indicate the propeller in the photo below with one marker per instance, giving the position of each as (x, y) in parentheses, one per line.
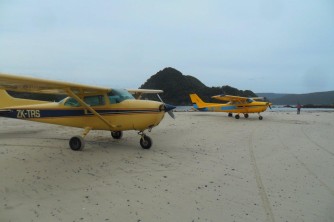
(168, 108)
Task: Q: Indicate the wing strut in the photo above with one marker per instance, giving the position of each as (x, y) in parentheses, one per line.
(72, 94)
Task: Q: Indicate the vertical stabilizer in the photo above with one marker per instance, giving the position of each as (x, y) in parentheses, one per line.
(197, 102)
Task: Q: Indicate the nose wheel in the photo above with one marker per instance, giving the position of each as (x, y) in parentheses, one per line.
(145, 141)
(260, 117)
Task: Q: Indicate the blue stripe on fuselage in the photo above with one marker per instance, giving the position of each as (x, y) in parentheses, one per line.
(200, 109)
(27, 113)
(228, 107)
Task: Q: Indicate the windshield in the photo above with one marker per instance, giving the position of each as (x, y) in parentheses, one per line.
(119, 95)
(249, 100)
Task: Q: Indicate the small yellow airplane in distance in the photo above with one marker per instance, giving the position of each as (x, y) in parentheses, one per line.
(87, 107)
(235, 104)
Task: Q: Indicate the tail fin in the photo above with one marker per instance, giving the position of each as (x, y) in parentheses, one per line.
(197, 102)
(7, 101)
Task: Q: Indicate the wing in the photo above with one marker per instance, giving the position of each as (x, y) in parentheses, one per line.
(36, 85)
(230, 98)
(137, 93)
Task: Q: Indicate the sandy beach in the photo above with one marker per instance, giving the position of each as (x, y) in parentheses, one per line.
(201, 167)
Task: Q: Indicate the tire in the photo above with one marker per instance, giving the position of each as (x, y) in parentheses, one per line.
(246, 115)
(117, 134)
(77, 143)
(237, 116)
(145, 142)
(260, 118)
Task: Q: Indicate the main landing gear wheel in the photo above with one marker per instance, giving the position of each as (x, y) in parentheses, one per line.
(117, 134)
(230, 115)
(77, 143)
(260, 118)
(237, 116)
(246, 115)
(145, 142)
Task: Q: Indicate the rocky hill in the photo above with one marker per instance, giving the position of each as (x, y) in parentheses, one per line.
(177, 87)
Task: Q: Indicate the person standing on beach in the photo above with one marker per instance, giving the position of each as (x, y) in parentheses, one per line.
(298, 108)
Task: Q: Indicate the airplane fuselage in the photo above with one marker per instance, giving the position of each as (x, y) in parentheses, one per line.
(127, 115)
(254, 107)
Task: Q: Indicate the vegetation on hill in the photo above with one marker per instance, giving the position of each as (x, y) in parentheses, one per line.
(317, 99)
(177, 88)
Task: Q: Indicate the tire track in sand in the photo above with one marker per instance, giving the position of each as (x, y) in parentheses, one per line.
(315, 143)
(286, 147)
(262, 191)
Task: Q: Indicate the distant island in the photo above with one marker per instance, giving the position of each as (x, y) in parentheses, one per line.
(308, 100)
(177, 88)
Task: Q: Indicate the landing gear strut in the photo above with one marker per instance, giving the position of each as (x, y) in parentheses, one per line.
(77, 143)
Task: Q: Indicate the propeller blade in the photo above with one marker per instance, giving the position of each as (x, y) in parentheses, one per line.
(168, 108)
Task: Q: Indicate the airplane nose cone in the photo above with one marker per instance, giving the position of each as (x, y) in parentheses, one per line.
(169, 107)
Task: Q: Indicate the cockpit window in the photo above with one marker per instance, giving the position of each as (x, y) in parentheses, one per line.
(90, 100)
(95, 100)
(119, 95)
(249, 100)
(71, 102)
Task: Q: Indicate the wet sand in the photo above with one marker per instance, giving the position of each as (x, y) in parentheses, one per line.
(201, 167)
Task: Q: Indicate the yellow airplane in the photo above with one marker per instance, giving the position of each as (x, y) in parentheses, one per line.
(87, 107)
(235, 104)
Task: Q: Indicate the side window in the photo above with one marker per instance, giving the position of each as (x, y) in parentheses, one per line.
(71, 102)
(95, 100)
(113, 99)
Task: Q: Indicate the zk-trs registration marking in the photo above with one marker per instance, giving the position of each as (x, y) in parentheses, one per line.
(26, 113)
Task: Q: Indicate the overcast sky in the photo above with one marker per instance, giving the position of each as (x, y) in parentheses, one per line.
(282, 46)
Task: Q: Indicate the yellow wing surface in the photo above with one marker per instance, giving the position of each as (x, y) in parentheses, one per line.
(230, 98)
(137, 93)
(36, 85)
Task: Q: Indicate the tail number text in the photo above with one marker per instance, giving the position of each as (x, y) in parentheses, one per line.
(22, 114)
